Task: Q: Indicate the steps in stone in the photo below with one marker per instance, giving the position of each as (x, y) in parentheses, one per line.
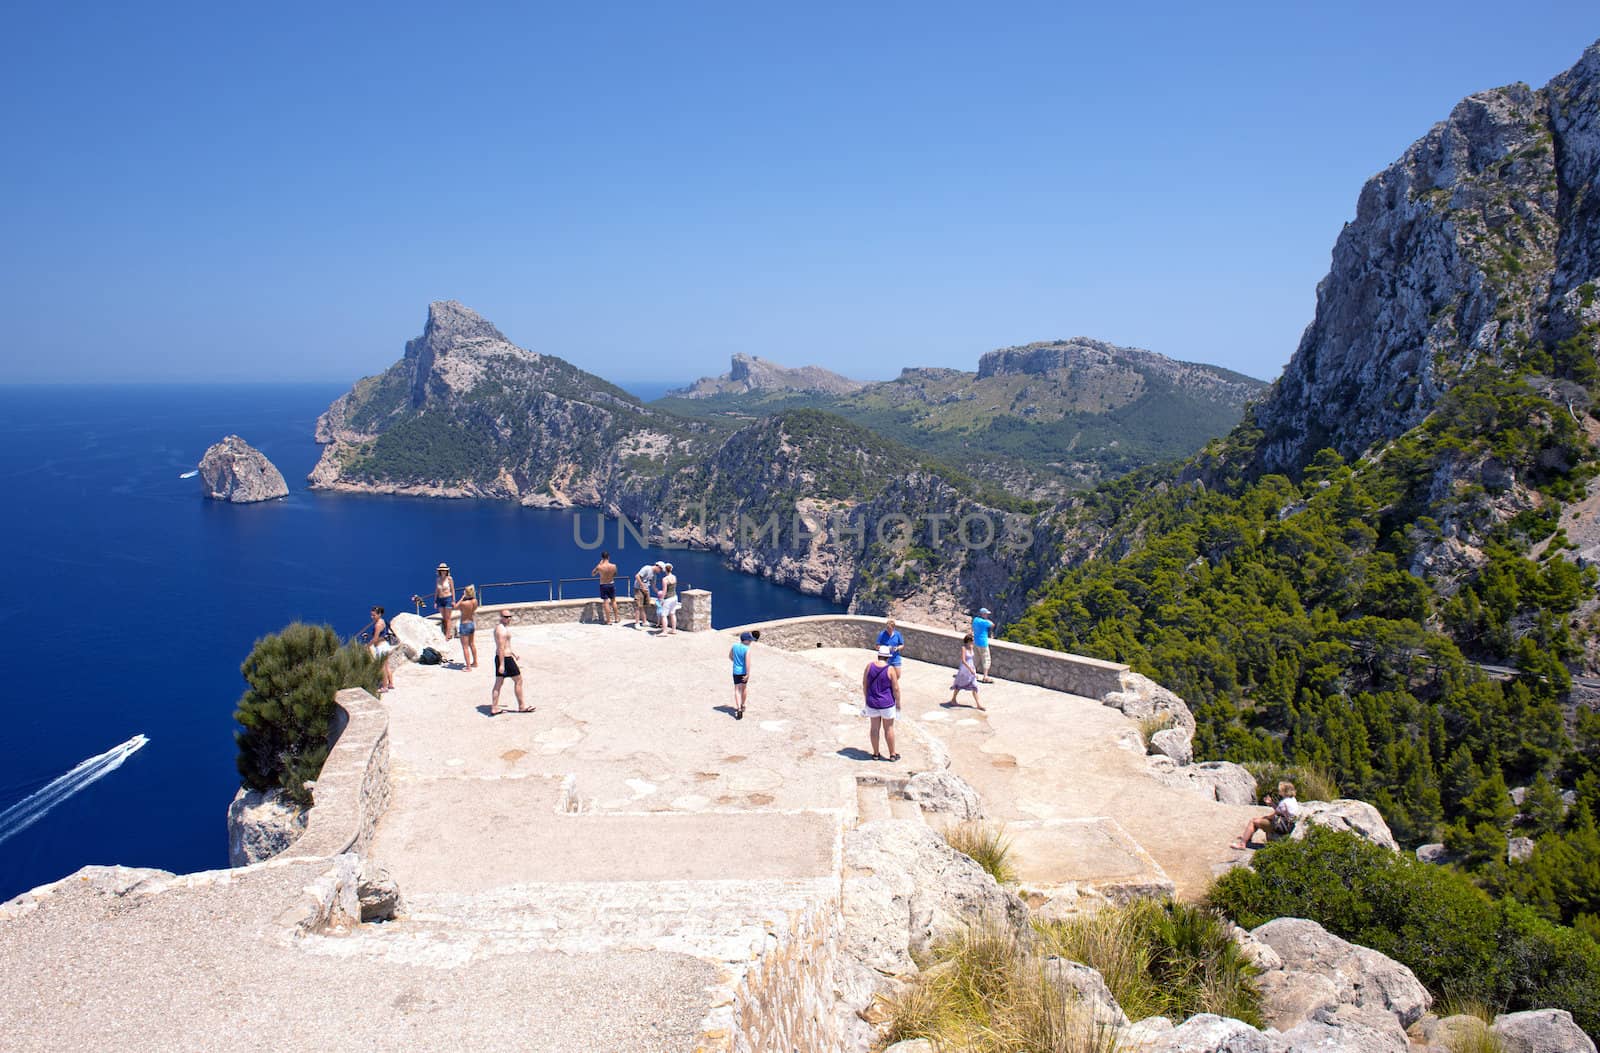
(872, 802)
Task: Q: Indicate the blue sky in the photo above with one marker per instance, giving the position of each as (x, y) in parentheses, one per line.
(221, 192)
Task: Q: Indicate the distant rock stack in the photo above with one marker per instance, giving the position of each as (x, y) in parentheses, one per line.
(233, 470)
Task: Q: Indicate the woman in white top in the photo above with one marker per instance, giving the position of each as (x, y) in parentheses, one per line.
(668, 605)
(1279, 823)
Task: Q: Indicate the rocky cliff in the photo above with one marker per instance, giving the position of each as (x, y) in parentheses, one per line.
(233, 470)
(1480, 243)
(750, 373)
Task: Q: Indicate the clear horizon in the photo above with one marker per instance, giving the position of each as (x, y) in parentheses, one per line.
(208, 195)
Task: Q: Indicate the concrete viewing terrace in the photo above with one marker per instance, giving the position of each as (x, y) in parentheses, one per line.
(612, 870)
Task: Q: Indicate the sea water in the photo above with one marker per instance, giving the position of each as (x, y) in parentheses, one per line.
(129, 602)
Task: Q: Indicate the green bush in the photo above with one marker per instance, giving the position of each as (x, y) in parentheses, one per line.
(286, 714)
(1457, 940)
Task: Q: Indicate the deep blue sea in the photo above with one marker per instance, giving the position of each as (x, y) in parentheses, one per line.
(131, 601)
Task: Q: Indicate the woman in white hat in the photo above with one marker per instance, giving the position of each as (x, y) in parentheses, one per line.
(444, 596)
(880, 690)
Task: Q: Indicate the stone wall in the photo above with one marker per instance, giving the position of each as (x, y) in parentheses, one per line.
(1057, 670)
(352, 790)
(786, 1001)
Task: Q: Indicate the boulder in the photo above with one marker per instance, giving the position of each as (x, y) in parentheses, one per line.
(904, 888)
(1541, 1031)
(1361, 976)
(1290, 997)
(1264, 958)
(945, 793)
(1356, 817)
(1205, 1033)
(1347, 1029)
(1087, 987)
(1141, 1035)
(1433, 853)
(261, 824)
(378, 895)
(233, 470)
(911, 1045)
(1176, 743)
(1452, 1032)
(416, 632)
(1221, 781)
(1519, 849)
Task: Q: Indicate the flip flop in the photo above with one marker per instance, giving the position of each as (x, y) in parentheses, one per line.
(877, 756)
(894, 757)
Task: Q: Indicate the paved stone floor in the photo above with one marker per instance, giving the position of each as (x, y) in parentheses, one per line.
(575, 876)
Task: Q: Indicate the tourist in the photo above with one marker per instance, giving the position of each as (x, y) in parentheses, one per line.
(739, 654)
(880, 688)
(668, 607)
(505, 666)
(467, 630)
(644, 583)
(444, 597)
(606, 571)
(890, 637)
(1278, 823)
(981, 628)
(380, 641)
(966, 674)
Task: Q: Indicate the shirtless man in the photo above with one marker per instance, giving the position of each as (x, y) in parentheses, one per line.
(505, 666)
(606, 571)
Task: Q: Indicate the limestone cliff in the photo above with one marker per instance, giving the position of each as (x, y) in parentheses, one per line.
(1480, 242)
(233, 470)
(750, 373)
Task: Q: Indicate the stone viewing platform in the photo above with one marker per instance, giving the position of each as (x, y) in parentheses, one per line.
(626, 867)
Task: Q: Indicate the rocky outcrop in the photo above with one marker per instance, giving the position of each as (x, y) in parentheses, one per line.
(1482, 236)
(1222, 781)
(233, 470)
(1096, 365)
(261, 824)
(1086, 987)
(905, 888)
(1358, 976)
(944, 793)
(751, 373)
(1356, 817)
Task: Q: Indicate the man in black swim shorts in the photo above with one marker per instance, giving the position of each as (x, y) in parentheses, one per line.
(505, 666)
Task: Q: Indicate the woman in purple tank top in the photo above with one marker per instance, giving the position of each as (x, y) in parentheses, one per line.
(880, 688)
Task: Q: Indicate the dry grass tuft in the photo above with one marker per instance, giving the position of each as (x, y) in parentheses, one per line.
(987, 845)
(984, 992)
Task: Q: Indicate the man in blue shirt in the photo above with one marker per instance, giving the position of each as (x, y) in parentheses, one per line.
(890, 637)
(981, 628)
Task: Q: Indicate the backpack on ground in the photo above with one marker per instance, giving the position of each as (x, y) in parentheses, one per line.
(430, 657)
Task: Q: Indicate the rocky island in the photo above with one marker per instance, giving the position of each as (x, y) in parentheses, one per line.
(233, 470)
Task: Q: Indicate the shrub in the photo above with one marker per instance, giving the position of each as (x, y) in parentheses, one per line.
(286, 714)
(986, 845)
(1311, 782)
(1457, 940)
(1161, 959)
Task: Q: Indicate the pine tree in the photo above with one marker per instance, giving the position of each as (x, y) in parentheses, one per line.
(286, 714)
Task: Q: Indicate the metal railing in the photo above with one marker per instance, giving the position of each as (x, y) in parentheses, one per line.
(554, 588)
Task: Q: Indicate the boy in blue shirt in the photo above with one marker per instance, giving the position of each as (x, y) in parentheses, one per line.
(890, 637)
(740, 656)
(981, 628)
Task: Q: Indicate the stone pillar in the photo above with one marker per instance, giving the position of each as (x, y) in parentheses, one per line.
(695, 616)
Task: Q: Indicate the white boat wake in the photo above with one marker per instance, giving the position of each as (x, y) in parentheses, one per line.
(33, 807)
(190, 474)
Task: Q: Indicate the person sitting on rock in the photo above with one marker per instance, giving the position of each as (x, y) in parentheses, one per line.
(1279, 823)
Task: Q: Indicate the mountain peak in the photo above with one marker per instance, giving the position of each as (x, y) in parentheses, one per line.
(451, 322)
